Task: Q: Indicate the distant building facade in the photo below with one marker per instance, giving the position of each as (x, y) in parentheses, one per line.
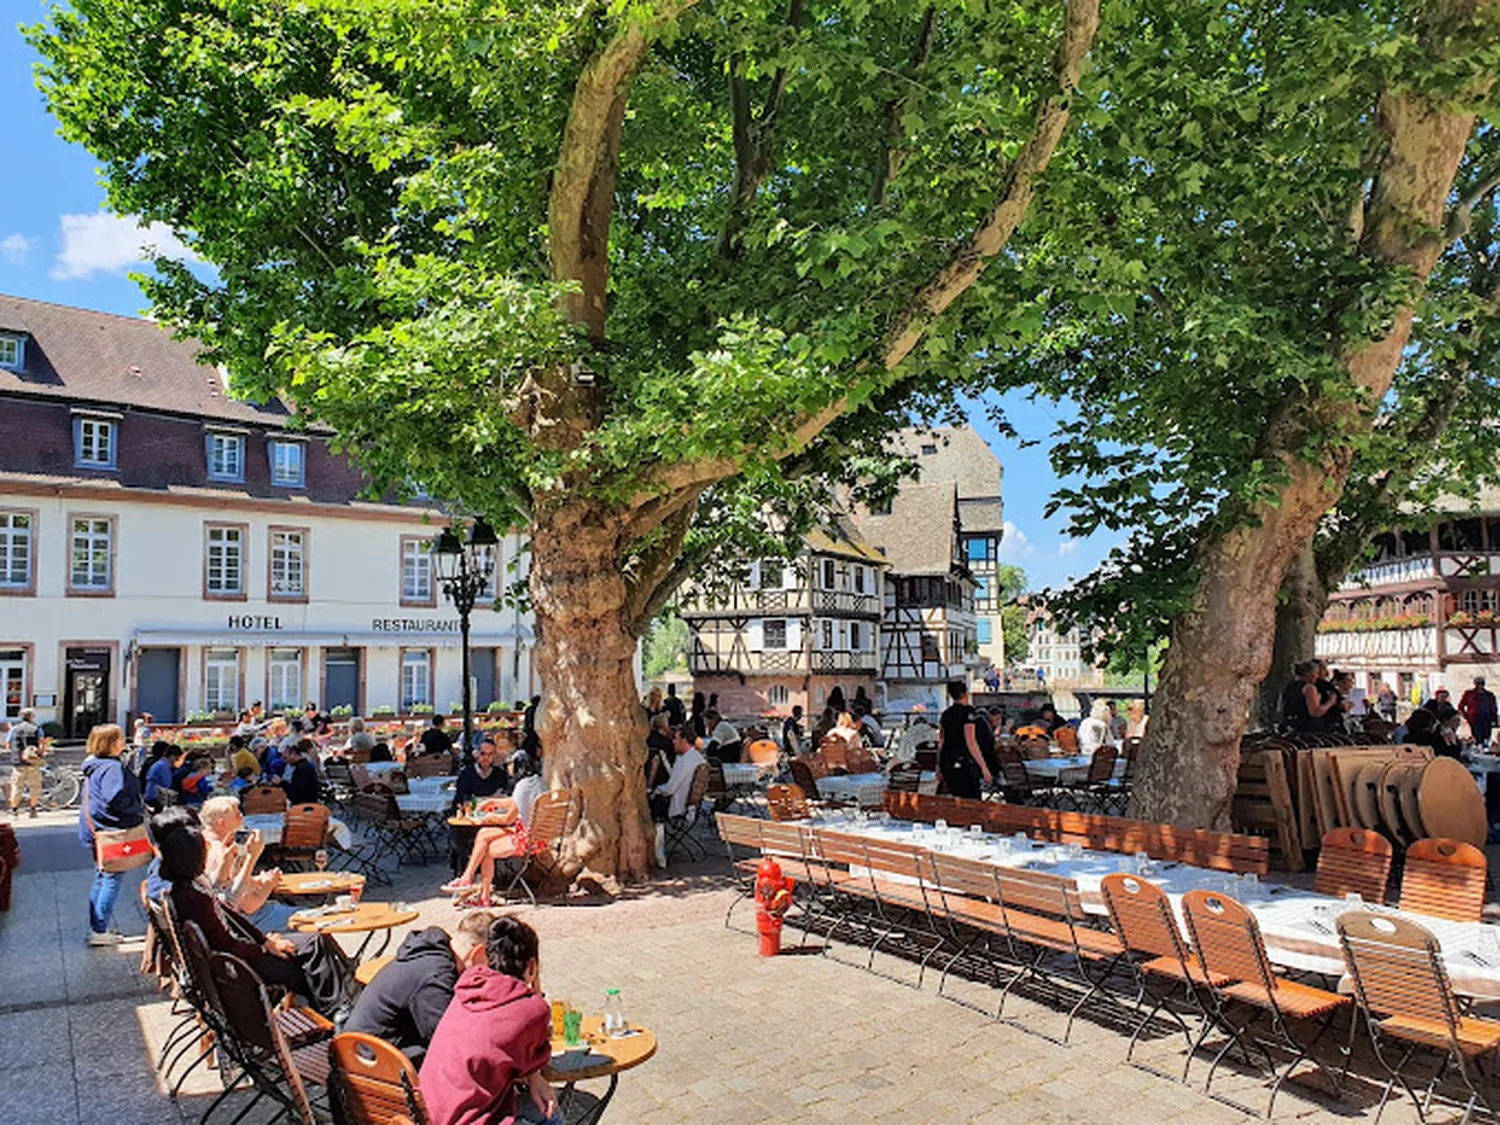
(167, 548)
(791, 631)
(1057, 655)
(1424, 612)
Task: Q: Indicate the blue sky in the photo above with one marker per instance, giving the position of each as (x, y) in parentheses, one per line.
(58, 244)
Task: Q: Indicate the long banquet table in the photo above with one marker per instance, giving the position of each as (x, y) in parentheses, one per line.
(1297, 926)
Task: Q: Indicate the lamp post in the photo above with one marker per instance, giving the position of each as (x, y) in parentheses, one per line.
(465, 567)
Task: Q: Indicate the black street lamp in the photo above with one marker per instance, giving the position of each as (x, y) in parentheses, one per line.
(465, 567)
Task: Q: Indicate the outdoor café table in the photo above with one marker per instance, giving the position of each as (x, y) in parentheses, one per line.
(425, 803)
(866, 788)
(1298, 926)
(293, 884)
(430, 784)
(745, 775)
(379, 769)
(605, 1057)
(1481, 765)
(1076, 768)
(368, 918)
(269, 827)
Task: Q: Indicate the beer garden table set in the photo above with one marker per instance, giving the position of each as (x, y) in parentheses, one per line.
(1298, 926)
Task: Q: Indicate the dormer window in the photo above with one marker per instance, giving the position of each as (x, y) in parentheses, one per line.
(288, 462)
(12, 351)
(94, 441)
(226, 455)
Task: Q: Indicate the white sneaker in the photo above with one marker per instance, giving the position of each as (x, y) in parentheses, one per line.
(105, 939)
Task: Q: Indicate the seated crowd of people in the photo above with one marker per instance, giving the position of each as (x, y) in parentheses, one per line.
(466, 1007)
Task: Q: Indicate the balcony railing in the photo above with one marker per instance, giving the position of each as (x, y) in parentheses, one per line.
(1382, 645)
(748, 602)
(839, 661)
(844, 602)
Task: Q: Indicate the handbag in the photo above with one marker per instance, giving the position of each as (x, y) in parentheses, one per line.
(117, 850)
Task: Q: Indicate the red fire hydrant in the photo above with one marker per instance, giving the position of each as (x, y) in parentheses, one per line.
(773, 898)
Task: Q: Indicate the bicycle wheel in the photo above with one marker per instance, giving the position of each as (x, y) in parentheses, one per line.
(60, 789)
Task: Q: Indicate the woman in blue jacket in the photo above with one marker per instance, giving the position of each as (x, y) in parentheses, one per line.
(112, 800)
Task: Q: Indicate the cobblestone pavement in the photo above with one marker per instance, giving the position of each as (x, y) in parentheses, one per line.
(799, 1038)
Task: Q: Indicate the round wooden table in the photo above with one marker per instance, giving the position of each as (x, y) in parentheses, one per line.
(297, 883)
(368, 918)
(605, 1057)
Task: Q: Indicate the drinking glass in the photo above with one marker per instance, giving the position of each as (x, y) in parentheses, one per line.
(1075, 851)
(559, 1011)
(1489, 943)
(572, 1025)
(1142, 863)
(975, 829)
(1021, 840)
(1354, 899)
(320, 859)
(940, 825)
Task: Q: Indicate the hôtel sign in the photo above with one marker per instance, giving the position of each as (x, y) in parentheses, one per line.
(270, 623)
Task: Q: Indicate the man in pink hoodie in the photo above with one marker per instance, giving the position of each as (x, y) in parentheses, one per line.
(496, 1033)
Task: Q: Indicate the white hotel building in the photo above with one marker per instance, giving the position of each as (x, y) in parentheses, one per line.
(166, 548)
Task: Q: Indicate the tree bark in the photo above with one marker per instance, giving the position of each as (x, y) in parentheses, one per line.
(1221, 646)
(591, 725)
(1299, 607)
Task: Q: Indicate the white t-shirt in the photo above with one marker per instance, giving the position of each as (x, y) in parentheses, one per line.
(680, 782)
(1092, 734)
(527, 790)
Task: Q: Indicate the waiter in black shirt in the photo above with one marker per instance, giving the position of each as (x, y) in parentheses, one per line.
(960, 759)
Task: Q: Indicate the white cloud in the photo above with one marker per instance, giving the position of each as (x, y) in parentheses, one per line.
(1066, 548)
(14, 248)
(1014, 546)
(105, 243)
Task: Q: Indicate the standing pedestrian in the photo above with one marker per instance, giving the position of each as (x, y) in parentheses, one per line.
(26, 777)
(111, 800)
(1477, 705)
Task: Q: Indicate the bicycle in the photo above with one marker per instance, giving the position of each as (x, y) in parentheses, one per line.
(61, 786)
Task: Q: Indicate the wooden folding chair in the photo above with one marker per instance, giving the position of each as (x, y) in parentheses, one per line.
(906, 777)
(859, 760)
(1067, 740)
(370, 1082)
(1016, 785)
(1157, 954)
(1403, 989)
(260, 799)
(544, 838)
(679, 829)
(804, 778)
(304, 830)
(261, 1047)
(1354, 861)
(786, 802)
(1237, 972)
(1444, 878)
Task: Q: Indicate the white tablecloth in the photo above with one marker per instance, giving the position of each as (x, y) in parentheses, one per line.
(423, 802)
(375, 769)
(866, 788)
(1058, 770)
(430, 784)
(741, 774)
(269, 826)
(1296, 935)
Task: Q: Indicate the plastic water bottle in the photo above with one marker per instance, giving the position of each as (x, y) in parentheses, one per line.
(614, 1013)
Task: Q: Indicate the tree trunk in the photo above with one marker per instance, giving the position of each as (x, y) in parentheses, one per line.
(1221, 646)
(591, 726)
(1299, 607)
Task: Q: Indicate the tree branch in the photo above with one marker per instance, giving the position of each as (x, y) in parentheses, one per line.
(1462, 216)
(752, 141)
(888, 161)
(658, 571)
(583, 183)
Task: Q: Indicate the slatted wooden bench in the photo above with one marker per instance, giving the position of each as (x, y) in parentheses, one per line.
(1220, 851)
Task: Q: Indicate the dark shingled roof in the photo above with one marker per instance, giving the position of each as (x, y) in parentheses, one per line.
(92, 357)
(962, 456)
(917, 535)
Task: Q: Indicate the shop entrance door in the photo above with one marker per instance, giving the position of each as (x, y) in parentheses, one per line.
(86, 690)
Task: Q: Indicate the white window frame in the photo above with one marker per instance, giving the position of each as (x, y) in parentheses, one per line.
(287, 549)
(14, 658)
(230, 550)
(221, 679)
(224, 453)
(416, 573)
(96, 536)
(765, 638)
(778, 695)
(284, 679)
(412, 690)
(276, 449)
(12, 351)
(90, 434)
(17, 549)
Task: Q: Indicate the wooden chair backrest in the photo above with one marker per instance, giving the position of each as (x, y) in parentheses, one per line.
(1354, 860)
(738, 831)
(376, 804)
(1227, 939)
(1036, 746)
(833, 754)
(859, 760)
(1066, 739)
(304, 826)
(1036, 892)
(1397, 968)
(197, 960)
(802, 774)
(1013, 768)
(906, 777)
(339, 771)
(438, 765)
(957, 877)
(1142, 916)
(358, 755)
(763, 752)
(263, 799)
(1131, 748)
(249, 1018)
(927, 760)
(1444, 878)
(791, 840)
(718, 788)
(373, 1083)
(1102, 765)
(698, 790)
(358, 774)
(786, 802)
(549, 816)
(1219, 851)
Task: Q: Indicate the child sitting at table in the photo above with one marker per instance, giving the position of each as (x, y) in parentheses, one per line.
(496, 1034)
